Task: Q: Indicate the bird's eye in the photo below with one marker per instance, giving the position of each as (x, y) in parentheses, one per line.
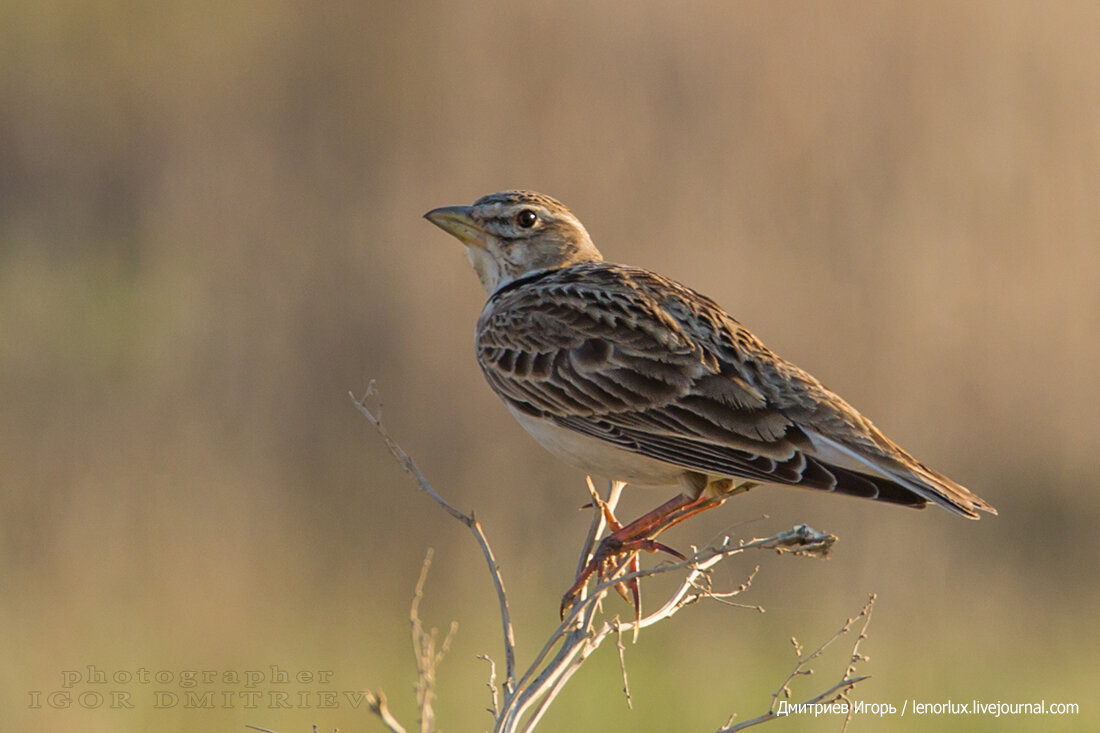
(526, 218)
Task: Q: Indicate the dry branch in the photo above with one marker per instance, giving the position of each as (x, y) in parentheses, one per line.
(522, 702)
(838, 691)
(407, 463)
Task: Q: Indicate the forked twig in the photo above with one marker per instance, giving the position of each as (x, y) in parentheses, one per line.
(376, 701)
(838, 691)
(424, 649)
(427, 659)
(494, 710)
(523, 701)
(469, 520)
(579, 635)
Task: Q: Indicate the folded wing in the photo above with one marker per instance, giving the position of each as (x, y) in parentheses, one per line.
(631, 358)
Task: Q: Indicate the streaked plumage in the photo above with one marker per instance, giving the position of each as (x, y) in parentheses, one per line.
(630, 375)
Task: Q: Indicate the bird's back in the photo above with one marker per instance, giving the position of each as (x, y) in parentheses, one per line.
(625, 356)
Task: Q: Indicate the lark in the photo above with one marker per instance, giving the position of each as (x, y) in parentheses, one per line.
(629, 375)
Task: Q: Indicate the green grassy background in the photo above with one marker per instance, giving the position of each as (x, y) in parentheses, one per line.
(210, 233)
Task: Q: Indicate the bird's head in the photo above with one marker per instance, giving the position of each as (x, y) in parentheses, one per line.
(514, 233)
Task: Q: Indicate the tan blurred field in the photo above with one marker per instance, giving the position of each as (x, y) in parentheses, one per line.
(210, 232)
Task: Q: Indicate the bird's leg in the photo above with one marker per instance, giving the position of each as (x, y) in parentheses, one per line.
(639, 535)
(633, 565)
(610, 518)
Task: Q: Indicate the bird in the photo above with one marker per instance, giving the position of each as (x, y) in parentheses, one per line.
(632, 376)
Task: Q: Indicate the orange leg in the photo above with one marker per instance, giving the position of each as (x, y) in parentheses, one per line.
(637, 536)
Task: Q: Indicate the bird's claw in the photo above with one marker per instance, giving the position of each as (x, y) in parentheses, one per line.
(602, 566)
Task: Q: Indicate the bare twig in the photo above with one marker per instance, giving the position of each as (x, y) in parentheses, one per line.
(424, 648)
(377, 704)
(802, 540)
(579, 636)
(705, 591)
(838, 691)
(603, 507)
(492, 685)
(524, 700)
(410, 467)
(857, 657)
(427, 659)
(622, 661)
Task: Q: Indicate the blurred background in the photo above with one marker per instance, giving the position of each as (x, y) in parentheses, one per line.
(210, 233)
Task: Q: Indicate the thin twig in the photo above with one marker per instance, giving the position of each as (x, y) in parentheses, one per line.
(492, 685)
(377, 704)
(705, 591)
(424, 649)
(857, 657)
(526, 700)
(469, 520)
(836, 692)
(622, 662)
(577, 638)
(599, 518)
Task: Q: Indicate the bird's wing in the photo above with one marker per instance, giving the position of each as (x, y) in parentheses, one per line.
(631, 358)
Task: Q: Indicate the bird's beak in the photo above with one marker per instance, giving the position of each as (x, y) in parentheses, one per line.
(456, 221)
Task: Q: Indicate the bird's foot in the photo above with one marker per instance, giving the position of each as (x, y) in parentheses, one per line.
(605, 563)
(638, 536)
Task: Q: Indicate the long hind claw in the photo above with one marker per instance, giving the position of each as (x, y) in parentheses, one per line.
(636, 537)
